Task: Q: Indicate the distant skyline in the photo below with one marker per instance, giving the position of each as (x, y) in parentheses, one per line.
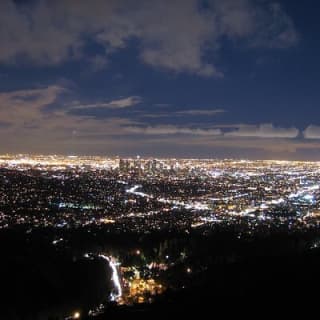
(178, 78)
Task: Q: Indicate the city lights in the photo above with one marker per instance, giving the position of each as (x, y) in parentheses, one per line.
(149, 221)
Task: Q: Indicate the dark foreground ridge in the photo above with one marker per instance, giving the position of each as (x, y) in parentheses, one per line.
(274, 268)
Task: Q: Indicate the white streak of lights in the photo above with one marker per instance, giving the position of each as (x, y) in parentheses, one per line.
(114, 278)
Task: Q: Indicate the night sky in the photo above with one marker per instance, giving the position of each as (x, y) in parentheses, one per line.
(178, 78)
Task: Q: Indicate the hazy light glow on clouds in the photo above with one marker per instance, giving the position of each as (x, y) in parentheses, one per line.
(25, 108)
(114, 104)
(178, 45)
(263, 131)
(21, 106)
(169, 130)
(312, 132)
(270, 145)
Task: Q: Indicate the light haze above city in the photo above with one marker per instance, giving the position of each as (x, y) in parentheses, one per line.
(181, 78)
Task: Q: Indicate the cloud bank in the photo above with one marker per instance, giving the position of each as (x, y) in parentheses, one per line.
(114, 104)
(26, 122)
(23, 106)
(263, 131)
(169, 130)
(312, 132)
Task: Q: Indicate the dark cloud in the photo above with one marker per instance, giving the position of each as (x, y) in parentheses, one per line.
(172, 34)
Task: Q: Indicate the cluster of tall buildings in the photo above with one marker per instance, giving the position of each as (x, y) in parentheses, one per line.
(142, 165)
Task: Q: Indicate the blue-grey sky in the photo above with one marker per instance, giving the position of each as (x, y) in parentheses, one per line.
(180, 78)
